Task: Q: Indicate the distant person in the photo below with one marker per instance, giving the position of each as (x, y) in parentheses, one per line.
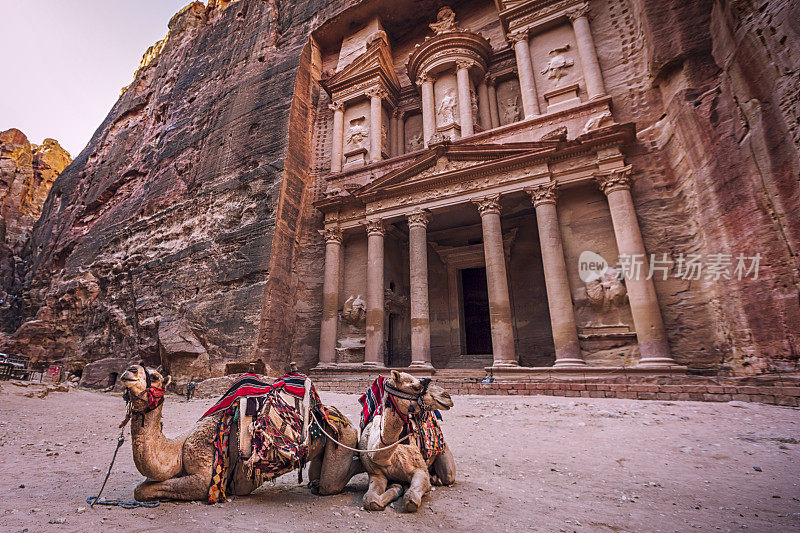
(190, 390)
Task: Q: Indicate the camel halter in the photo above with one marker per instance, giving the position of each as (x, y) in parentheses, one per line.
(154, 396)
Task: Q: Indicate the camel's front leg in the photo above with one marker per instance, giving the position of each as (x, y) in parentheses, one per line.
(193, 487)
(420, 485)
(444, 467)
(377, 497)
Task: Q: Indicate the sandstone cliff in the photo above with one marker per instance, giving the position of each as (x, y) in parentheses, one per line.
(184, 233)
(27, 171)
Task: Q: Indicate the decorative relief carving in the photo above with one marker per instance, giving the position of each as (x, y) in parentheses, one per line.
(415, 142)
(375, 227)
(598, 121)
(578, 12)
(606, 291)
(332, 235)
(614, 180)
(375, 92)
(464, 64)
(336, 106)
(445, 21)
(357, 133)
(447, 109)
(424, 77)
(559, 63)
(488, 204)
(543, 194)
(354, 311)
(510, 110)
(419, 218)
(518, 36)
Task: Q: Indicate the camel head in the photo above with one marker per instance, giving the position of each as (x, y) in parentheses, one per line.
(142, 397)
(416, 394)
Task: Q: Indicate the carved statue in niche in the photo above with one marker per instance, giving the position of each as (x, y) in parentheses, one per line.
(447, 108)
(606, 295)
(354, 311)
(510, 108)
(384, 136)
(357, 133)
(445, 21)
(559, 63)
(473, 99)
(415, 142)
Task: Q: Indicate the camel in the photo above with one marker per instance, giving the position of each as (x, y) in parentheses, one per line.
(403, 463)
(181, 468)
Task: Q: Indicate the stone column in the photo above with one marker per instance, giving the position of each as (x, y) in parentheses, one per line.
(527, 81)
(464, 97)
(401, 133)
(418, 268)
(559, 296)
(497, 281)
(425, 82)
(587, 52)
(494, 113)
(393, 134)
(483, 105)
(647, 320)
(338, 136)
(330, 296)
(375, 123)
(373, 352)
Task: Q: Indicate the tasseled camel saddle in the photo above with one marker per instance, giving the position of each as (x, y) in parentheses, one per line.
(273, 435)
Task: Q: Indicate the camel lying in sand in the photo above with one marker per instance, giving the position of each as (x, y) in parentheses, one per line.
(181, 468)
(403, 463)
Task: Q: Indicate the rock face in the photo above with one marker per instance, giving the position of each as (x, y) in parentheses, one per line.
(184, 233)
(27, 171)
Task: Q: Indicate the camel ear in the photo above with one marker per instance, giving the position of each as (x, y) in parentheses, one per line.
(395, 376)
(167, 381)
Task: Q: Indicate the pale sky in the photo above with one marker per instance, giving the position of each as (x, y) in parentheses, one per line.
(64, 62)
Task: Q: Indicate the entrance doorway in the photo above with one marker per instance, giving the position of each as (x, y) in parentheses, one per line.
(477, 326)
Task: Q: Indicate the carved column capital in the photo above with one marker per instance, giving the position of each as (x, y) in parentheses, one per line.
(614, 180)
(578, 12)
(543, 194)
(398, 113)
(375, 227)
(419, 218)
(488, 204)
(465, 64)
(490, 80)
(375, 92)
(336, 106)
(422, 78)
(517, 36)
(332, 235)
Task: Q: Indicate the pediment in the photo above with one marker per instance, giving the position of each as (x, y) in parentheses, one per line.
(445, 161)
(375, 62)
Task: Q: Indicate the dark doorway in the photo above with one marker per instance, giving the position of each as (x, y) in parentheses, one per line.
(475, 298)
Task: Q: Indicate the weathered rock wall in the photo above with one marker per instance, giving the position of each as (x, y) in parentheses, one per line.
(27, 171)
(721, 174)
(176, 225)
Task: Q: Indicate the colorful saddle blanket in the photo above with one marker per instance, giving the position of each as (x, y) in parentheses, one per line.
(278, 442)
(425, 424)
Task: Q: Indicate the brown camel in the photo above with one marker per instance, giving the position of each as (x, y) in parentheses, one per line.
(181, 468)
(403, 463)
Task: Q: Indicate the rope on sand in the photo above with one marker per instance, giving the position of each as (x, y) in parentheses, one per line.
(125, 504)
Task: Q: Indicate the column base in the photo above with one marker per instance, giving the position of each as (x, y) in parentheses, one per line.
(421, 365)
(325, 366)
(656, 362)
(373, 364)
(505, 364)
(569, 361)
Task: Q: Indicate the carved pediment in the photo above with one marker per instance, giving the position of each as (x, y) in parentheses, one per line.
(370, 69)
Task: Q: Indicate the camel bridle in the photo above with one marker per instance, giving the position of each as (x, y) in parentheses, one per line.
(152, 395)
(418, 398)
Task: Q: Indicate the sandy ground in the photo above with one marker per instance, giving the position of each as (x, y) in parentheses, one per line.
(532, 463)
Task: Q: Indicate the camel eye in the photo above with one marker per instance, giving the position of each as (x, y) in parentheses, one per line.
(418, 386)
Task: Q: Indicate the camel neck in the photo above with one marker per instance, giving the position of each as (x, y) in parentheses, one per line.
(148, 442)
(392, 430)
